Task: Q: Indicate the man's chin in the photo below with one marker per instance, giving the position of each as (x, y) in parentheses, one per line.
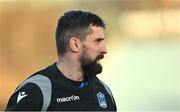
(98, 68)
(91, 67)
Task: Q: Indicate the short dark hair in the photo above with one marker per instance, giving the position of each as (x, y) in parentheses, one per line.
(74, 24)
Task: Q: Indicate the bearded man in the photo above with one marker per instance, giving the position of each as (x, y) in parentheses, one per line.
(70, 83)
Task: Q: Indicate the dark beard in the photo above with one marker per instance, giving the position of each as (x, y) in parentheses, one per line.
(89, 66)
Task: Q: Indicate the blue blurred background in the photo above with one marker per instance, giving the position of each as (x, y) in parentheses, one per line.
(142, 66)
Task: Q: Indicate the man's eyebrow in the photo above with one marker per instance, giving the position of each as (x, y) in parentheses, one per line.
(100, 39)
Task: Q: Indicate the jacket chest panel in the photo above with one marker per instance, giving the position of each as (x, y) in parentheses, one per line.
(72, 101)
(79, 100)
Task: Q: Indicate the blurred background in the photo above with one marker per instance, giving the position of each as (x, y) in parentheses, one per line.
(142, 66)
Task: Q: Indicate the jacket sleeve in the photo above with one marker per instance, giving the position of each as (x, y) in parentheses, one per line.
(28, 97)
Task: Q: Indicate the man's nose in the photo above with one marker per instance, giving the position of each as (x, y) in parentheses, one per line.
(103, 49)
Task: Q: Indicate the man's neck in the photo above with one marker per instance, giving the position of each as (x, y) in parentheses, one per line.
(70, 69)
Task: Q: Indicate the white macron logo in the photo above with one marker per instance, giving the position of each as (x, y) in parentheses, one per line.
(21, 95)
(66, 99)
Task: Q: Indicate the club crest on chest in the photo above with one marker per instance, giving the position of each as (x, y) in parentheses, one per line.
(102, 100)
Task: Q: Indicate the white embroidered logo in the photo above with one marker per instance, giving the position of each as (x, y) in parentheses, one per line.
(101, 100)
(66, 99)
(21, 95)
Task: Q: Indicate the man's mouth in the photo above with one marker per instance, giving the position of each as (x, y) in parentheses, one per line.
(99, 58)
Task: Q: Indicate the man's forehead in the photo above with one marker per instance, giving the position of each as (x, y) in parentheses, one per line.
(97, 30)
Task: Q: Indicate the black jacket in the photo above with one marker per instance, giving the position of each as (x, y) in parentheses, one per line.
(48, 89)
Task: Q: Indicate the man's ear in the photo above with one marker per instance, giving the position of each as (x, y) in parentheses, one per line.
(75, 44)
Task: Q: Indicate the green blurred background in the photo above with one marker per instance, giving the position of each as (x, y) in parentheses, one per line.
(142, 66)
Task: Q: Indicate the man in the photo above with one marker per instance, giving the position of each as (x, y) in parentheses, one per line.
(70, 83)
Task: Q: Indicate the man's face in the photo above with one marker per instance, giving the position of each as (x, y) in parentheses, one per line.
(93, 50)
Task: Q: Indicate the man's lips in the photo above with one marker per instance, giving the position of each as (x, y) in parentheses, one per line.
(100, 57)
